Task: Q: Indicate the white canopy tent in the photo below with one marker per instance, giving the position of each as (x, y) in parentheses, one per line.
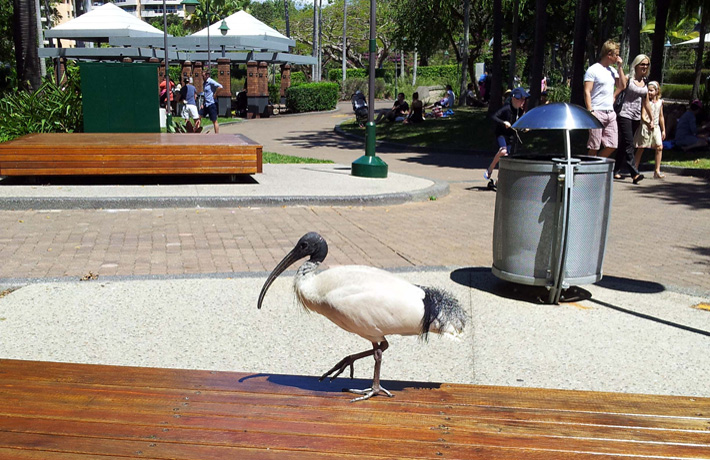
(102, 23)
(694, 41)
(247, 39)
(245, 26)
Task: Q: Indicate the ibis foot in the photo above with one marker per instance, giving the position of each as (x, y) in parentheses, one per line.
(368, 393)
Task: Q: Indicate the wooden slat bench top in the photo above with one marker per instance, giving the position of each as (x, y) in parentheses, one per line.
(77, 411)
(132, 153)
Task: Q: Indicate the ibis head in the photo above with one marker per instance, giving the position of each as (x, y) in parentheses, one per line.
(311, 244)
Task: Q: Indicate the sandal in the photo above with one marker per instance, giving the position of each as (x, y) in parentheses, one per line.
(658, 175)
(638, 179)
(618, 176)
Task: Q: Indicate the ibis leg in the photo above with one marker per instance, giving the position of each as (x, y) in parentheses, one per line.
(376, 388)
(344, 363)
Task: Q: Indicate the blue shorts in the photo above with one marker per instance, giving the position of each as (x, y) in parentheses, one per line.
(211, 112)
(502, 143)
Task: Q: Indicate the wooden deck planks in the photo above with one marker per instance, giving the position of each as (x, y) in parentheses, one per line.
(86, 410)
(115, 154)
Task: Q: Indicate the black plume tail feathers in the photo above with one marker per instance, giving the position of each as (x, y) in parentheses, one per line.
(442, 313)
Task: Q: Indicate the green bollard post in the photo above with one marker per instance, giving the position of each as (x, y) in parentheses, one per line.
(370, 165)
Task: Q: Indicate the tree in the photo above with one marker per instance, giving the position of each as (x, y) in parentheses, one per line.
(539, 51)
(581, 29)
(631, 32)
(659, 39)
(701, 47)
(176, 25)
(209, 11)
(25, 40)
(497, 77)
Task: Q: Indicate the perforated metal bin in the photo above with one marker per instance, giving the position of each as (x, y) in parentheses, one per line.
(552, 213)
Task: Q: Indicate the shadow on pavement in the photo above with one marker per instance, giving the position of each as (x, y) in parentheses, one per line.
(694, 195)
(338, 385)
(617, 283)
(482, 279)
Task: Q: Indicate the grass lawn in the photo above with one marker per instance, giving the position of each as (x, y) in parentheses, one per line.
(277, 158)
(471, 129)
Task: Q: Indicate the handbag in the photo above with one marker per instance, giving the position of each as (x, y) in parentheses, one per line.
(619, 101)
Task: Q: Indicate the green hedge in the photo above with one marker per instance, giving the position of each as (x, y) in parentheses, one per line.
(297, 78)
(680, 92)
(311, 97)
(686, 76)
(439, 72)
(274, 94)
(337, 74)
(351, 85)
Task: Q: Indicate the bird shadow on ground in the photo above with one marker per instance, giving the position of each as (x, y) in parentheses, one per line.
(483, 279)
(338, 385)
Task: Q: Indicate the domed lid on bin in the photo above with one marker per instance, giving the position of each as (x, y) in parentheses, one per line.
(558, 115)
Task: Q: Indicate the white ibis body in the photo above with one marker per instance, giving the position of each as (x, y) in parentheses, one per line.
(367, 301)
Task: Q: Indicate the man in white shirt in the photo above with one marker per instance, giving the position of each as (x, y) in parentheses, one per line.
(601, 85)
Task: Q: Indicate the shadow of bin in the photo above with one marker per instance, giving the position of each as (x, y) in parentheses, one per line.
(552, 214)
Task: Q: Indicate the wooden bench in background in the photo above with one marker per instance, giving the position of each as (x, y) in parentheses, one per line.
(54, 411)
(133, 153)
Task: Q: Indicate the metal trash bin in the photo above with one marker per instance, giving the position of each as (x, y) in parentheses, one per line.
(552, 214)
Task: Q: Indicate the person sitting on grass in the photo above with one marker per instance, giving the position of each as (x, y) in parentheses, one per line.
(687, 136)
(398, 112)
(416, 112)
(448, 100)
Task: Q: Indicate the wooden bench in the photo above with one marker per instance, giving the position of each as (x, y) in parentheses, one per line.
(55, 411)
(136, 153)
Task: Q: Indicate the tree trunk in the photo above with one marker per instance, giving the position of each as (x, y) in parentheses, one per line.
(701, 49)
(514, 43)
(631, 33)
(581, 27)
(538, 52)
(288, 27)
(464, 58)
(634, 29)
(494, 102)
(659, 39)
(25, 39)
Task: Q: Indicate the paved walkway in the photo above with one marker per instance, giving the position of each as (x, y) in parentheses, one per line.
(639, 332)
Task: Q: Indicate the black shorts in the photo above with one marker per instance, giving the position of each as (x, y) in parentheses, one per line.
(211, 112)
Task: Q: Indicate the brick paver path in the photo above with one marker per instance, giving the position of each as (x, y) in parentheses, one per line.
(659, 230)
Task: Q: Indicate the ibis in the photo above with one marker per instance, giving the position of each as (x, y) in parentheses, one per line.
(369, 302)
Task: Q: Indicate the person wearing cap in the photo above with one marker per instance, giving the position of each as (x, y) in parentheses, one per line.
(506, 136)
(187, 95)
(686, 131)
(602, 83)
(210, 87)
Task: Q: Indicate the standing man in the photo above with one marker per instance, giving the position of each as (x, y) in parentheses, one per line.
(187, 95)
(601, 84)
(210, 86)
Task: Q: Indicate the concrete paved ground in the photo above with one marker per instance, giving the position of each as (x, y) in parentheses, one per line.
(177, 286)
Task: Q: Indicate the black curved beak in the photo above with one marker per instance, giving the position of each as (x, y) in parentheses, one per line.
(290, 258)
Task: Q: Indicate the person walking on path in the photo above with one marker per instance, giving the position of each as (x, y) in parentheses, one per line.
(190, 112)
(652, 132)
(629, 117)
(506, 136)
(210, 87)
(600, 83)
